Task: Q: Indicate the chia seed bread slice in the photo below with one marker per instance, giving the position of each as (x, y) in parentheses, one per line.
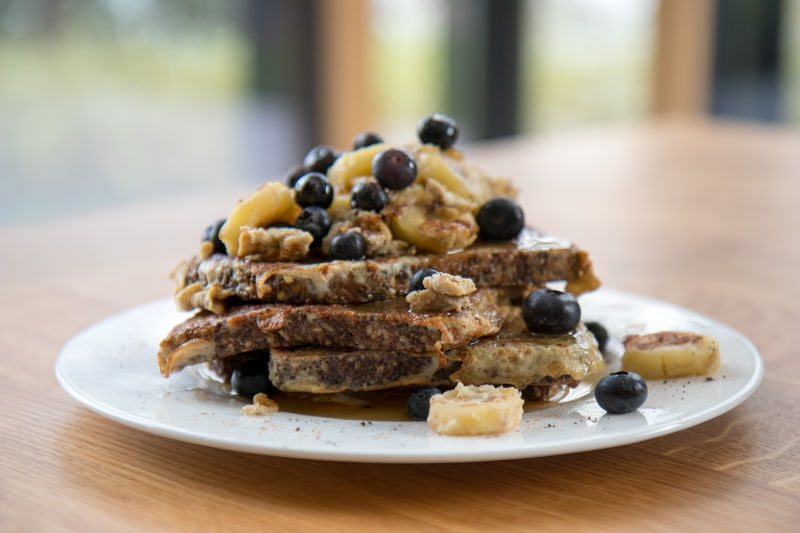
(381, 326)
(531, 259)
(360, 371)
(314, 370)
(512, 357)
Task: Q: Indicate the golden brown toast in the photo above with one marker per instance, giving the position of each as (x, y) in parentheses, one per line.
(377, 326)
(271, 278)
(530, 259)
(512, 357)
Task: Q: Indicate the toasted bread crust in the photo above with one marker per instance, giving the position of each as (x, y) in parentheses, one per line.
(533, 257)
(324, 371)
(380, 326)
(400, 369)
(508, 358)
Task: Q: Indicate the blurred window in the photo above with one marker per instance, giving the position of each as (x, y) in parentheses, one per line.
(579, 61)
(587, 61)
(791, 43)
(749, 69)
(408, 62)
(107, 101)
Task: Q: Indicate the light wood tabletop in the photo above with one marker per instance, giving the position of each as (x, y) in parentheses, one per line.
(702, 215)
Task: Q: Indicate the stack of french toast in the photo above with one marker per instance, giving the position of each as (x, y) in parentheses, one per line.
(382, 267)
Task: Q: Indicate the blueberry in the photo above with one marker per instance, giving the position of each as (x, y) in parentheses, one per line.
(280, 225)
(415, 283)
(394, 169)
(294, 174)
(315, 220)
(320, 158)
(348, 245)
(600, 333)
(500, 219)
(621, 392)
(313, 189)
(251, 377)
(551, 312)
(211, 234)
(438, 129)
(368, 196)
(419, 402)
(366, 138)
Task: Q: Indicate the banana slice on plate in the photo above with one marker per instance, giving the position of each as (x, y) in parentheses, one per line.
(670, 354)
(476, 410)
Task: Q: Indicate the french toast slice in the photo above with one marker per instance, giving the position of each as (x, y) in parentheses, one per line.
(378, 326)
(532, 258)
(316, 370)
(313, 278)
(511, 357)
(514, 356)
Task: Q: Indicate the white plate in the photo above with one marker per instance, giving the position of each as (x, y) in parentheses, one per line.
(111, 368)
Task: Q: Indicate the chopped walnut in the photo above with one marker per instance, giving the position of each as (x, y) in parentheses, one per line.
(443, 292)
(184, 296)
(209, 299)
(443, 199)
(428, 301)
(262, 405)
(206, 249)
(274, 244)
(197, 295)
(398, 247)
(449, 284)
(377, 235)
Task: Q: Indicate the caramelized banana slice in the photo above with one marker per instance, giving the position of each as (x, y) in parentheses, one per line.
(670, 354)
(351, 165)
(471, 410)
(415, 225)
(430, 219)
(431, 164)
(271, 203)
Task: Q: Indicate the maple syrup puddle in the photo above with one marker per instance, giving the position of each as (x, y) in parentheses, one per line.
(388, 406)
(378, 406)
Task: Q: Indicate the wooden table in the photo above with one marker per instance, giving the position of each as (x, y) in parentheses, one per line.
(702, 215)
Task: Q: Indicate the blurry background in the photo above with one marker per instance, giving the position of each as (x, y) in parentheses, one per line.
(109, 101)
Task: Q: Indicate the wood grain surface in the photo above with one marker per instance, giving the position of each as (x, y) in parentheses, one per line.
(703, 215)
